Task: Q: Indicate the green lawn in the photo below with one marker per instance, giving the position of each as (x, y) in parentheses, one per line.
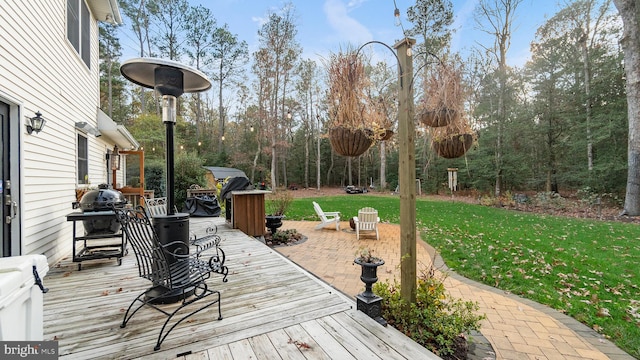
(588, 269)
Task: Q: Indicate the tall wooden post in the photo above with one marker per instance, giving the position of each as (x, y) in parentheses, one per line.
(407, 172)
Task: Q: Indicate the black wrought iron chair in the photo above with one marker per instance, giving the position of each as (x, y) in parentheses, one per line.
(176, 275)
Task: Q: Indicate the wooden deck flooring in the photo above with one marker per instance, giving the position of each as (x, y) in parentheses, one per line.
(271, 308)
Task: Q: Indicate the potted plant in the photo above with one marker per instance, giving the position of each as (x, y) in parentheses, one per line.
(352, 127)
(442, 103)
(369, 264)
(367, 301)
(277, 204)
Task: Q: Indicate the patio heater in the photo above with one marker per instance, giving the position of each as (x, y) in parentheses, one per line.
(170, 79)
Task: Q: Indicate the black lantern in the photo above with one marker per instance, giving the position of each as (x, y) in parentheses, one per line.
(36, 123)
(115, 158)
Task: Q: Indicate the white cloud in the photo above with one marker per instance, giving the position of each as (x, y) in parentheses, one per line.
(259, 20)
(345, 28)
(356, 3)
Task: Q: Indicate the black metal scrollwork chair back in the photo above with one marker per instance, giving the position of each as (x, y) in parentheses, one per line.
(176, 275)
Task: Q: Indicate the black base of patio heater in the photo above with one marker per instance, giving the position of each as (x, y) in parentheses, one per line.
(171, 228)
(160, 295)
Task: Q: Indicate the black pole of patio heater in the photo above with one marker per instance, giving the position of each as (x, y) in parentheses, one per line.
(169, 152)
(169, 82)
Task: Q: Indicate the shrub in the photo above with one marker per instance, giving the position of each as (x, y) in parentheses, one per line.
(590, 197)
(283, 237)
(549, 199)
(154, 178)
(188, 171)
(436, 320)
(278, 202)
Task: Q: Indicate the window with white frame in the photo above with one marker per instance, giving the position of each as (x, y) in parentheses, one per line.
(79, 29)
(83, 159)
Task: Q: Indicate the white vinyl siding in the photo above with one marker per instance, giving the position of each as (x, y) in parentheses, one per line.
(41, 71)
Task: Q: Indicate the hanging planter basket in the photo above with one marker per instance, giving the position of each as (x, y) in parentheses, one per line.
(388, 134)
(350, 142)
(439, 117)
(453, 146)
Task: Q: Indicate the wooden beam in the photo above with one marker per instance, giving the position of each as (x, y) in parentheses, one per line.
(407, 172)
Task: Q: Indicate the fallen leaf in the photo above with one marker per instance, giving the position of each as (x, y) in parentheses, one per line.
(603, 312)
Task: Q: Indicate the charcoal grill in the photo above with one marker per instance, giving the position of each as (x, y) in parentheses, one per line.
(101, 199)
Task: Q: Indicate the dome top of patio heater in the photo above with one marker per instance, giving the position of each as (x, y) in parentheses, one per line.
(142, 71)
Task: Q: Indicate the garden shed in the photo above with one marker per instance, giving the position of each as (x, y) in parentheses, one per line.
(215, 173)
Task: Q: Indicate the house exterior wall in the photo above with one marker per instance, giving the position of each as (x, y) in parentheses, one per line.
(41, 71)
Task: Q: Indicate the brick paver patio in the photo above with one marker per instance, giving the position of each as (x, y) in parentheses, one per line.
(517, 328)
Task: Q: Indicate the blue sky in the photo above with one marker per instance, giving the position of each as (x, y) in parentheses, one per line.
(326, 25)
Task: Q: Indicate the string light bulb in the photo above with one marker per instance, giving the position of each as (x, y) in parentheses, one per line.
(396, 15)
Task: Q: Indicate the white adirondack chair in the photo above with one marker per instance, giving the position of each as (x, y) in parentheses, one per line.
(367, 220)
(327, 217)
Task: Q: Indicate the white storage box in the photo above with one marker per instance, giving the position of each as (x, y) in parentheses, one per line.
(21, 301)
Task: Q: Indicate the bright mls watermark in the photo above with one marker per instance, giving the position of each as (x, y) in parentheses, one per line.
(38, 350)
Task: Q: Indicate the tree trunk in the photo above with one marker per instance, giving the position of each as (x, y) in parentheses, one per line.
(285, 181)
(255, 163)
(273, 161)
(330, 170)
(221, 110)
(306, 161)
(360, 171)
(110, 86)
(318, 155)
(383, 165)
(630, 12)
(587, 104)
(500, 14)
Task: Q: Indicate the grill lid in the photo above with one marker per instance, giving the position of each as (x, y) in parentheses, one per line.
(102, 199)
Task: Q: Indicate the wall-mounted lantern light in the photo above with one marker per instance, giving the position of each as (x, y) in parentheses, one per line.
(115, 158)
(36, 123)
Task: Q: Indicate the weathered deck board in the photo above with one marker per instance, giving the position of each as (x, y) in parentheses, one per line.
(285, 345)
(271, 309)
(305, 343)
(326, 341)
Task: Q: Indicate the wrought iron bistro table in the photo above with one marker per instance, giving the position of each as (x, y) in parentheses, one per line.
(95, 245)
